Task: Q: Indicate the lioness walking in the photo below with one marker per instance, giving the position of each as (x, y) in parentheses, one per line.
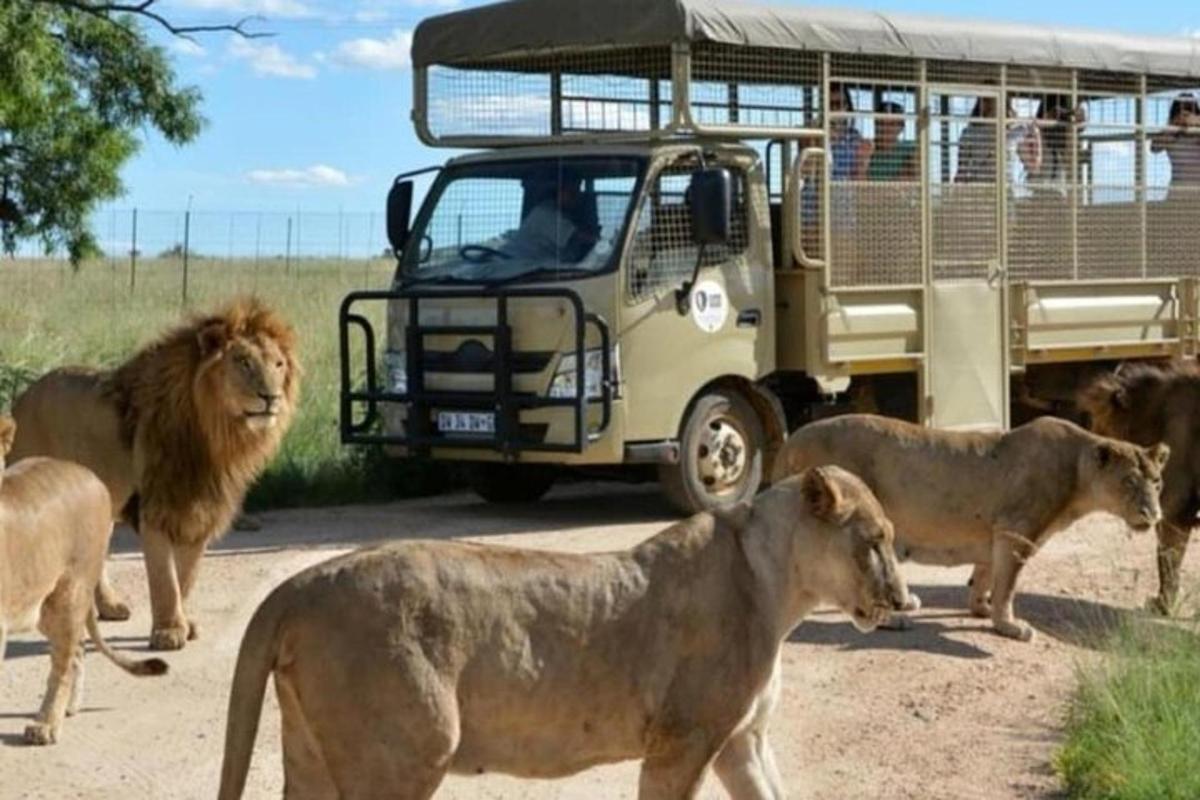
(988, 499)
(397, 664)
(55, 522)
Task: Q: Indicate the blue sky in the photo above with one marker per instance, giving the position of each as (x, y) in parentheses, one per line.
(316, 117)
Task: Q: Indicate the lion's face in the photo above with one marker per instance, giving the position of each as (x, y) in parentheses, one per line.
(1126, 480)
(859, 571)
(249, 377)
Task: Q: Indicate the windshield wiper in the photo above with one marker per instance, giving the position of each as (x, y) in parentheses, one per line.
(561, 272)
(434, 280)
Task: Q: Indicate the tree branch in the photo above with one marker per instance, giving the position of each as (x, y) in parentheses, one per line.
(145, 10)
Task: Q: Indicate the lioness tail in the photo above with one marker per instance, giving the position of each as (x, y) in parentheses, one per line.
(256, 660)
(148, 666)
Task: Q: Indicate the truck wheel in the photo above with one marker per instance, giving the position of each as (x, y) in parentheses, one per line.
(510, 483)
(720, 455)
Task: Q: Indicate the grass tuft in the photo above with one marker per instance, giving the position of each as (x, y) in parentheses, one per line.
(1133, 725)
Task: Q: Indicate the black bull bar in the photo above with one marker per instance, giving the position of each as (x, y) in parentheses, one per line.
(420, 433)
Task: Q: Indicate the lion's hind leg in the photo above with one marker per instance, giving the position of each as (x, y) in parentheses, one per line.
(62, 625)
(351, 728)
(109, 604)
(979, 598)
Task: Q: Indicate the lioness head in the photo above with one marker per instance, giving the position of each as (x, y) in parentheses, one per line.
(248, 369)
(1126, 480)
(853, 564)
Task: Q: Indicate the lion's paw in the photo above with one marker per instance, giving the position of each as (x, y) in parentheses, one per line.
(1157, 605)
(113, 610)
(40, 734)
(169, 638)
(1021, 631)
(913, 604)
(981, 609)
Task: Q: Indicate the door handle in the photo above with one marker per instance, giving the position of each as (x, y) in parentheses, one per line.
(750, 318)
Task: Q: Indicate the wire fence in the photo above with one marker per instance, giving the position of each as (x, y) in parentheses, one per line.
(181, 247)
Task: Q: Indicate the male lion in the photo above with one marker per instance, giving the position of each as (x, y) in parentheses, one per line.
(55, 522)
(177, 433)
(397, 664)
(988, 499)
(1143, 404)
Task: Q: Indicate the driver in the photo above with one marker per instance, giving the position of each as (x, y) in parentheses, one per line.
(553, 229)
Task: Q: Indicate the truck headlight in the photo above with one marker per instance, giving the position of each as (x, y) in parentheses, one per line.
(565, 377)
(396, 365)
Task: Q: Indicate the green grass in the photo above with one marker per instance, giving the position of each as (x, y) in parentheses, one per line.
(1133, 727)
(51, 316)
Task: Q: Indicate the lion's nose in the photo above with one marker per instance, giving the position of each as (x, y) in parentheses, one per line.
(269, 400)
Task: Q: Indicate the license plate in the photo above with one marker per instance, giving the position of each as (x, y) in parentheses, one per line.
(466, 422)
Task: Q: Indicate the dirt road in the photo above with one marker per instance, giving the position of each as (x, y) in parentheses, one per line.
(945, 710)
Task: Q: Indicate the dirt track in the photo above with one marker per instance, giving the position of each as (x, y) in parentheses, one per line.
(946, 710)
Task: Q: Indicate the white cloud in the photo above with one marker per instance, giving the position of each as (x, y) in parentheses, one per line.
(380, 54)
(186, 47)
(318, 175)
(294, 9)
(269, 59)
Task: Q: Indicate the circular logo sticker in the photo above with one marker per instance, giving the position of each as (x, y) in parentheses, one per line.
(710, 307)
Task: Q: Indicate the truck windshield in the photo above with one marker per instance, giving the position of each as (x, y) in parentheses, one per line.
(543, 219)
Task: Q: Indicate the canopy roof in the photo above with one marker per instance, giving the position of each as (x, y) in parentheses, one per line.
(519, 27)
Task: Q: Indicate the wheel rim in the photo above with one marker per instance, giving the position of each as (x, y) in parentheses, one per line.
(722, 456)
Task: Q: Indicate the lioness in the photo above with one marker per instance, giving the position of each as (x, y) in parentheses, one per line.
(55, 522)
(395, 665)
(988, 499)
(177, 433)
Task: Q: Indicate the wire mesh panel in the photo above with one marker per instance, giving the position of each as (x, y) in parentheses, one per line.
(1041, 174)
(964, 169)
(664, 253)
(1110, 226)
(875, 189)
(609, 90)
(1172, 157)
(754, 86)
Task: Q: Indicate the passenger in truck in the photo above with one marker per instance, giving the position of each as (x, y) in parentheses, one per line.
(1181, 143)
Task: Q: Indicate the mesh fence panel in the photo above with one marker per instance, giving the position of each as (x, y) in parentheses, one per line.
(963, 171)
(1172, 155)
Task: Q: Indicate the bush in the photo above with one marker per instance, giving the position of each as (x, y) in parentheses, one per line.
(1133, 727)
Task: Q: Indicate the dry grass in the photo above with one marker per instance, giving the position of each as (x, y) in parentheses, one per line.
(51, 316)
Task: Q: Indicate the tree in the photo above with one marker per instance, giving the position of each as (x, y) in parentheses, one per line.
(78, 81)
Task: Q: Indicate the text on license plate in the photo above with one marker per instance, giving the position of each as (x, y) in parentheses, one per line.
(466, 422)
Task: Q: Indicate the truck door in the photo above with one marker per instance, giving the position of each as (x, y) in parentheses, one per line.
(968, 350)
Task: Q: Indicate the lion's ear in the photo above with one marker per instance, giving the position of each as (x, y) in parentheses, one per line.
(1159, 454)
(822, 497)
(212, 337)
(8, 434)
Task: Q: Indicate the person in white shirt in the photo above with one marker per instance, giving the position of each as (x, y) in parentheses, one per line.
(1182, 142)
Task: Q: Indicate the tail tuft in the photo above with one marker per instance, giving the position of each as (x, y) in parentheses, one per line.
(150, 666)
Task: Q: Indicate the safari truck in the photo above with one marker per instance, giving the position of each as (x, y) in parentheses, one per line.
(685, 228)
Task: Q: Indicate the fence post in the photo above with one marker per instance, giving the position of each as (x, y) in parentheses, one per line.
(133, 254)
(287, 253)
(187, 226)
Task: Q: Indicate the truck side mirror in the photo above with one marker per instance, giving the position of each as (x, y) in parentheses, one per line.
(399, 210)
(711, 196)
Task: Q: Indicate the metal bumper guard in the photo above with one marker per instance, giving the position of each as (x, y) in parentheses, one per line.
(420, 432)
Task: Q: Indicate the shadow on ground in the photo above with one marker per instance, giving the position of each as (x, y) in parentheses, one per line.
(449, 516)
(1075, 621)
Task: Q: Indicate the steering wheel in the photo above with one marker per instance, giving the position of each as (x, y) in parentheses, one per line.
(480, 253)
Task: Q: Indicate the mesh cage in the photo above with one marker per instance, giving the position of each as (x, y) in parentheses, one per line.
(663, 253)
(964, 170)
(1171, 152)
(754, 86)
(614, 90)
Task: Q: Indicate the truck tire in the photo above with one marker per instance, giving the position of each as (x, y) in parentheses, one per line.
(506, 484)
(720, 455)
